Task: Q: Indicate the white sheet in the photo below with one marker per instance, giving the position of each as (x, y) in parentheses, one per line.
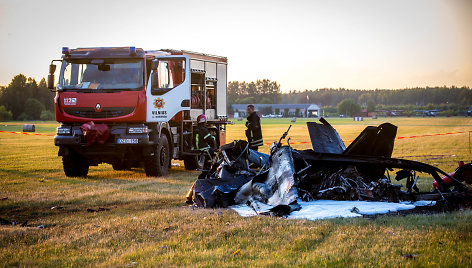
(327, 209)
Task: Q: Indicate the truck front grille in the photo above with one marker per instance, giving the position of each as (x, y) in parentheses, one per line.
(89, 112)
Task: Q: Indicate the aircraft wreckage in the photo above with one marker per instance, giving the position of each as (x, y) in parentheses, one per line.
(272, 184)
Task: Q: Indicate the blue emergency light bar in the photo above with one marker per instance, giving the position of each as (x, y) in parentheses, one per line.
(132, 51)
(65, 50)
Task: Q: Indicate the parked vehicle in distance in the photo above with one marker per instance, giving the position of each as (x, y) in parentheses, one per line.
(427, 113)
(271, 116)
(469, 111)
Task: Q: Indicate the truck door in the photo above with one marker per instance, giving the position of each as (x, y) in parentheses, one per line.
(171, 94)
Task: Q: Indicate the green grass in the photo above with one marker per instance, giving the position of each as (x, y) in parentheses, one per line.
(148, 224)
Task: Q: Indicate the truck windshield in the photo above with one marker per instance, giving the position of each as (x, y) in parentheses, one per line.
(112, 74)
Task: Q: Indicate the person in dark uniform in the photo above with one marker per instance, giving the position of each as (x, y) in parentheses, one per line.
(253, 131)
(204, 141)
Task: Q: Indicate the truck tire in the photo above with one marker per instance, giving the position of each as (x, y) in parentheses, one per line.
(75, 165)
(158, 164)
(194, 162)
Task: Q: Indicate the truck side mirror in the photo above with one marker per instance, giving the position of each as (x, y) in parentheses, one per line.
(51, 81)
(52, 69)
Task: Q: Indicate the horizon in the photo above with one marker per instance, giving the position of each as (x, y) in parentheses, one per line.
(295, 90)
(301, 45)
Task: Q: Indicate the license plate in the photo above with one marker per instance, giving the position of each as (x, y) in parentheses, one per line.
(127, 141)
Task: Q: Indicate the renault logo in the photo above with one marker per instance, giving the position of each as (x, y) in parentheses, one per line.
(98, 107)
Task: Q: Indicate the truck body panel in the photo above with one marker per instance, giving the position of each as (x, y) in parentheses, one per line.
(122, 106)
(148, 101)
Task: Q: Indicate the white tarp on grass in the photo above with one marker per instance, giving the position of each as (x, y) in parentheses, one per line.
(327, 209)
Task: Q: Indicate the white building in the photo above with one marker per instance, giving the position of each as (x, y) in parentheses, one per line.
(285, 110)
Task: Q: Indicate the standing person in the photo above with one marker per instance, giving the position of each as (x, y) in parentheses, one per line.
(253, 131)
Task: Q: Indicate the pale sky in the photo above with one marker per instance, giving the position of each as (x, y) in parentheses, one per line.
(359, 44)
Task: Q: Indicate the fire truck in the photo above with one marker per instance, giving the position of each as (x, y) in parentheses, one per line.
(135, 108)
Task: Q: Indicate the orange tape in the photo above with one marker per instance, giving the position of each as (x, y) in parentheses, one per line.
(300, 142)
(397, 138)
(26, 133)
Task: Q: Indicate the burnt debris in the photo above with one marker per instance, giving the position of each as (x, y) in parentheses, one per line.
(272, 184)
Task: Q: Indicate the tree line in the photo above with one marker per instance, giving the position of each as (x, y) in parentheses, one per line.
(419, 96)
(260, 91)
(266, 91)
(451, 100)
(25, 99)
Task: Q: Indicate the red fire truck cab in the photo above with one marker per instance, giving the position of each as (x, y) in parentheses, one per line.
(130, 107)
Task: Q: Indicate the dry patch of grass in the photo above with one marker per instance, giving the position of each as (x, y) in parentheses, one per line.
(146, 223)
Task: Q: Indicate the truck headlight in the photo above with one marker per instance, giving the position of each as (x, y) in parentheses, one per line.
(64, 131)
(137, 130)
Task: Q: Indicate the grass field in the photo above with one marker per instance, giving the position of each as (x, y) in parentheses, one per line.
(148, 224)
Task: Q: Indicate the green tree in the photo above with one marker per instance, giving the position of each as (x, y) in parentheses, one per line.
(20, 89)
(33, 108)
(45, 96)
(260, 90)
(46, 115)
(251, 89)
(418, 97)
(247, 100)
(24, 117)
(14, 95)
(265, 100)
(5, 115)
(370, 106)
(348, 107)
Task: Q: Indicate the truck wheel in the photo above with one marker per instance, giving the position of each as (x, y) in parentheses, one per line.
(75, 165)
(158, 164)
(194, 162)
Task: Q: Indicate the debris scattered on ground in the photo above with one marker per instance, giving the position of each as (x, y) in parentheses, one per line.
(298, 182)
(97, 210)
(8, 222)
(43, 226)
(56, 207)
(5, 222)
(410, 256)
(237, 252)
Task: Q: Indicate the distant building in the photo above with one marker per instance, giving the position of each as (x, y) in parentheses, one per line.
(284, 110)
(364, 113)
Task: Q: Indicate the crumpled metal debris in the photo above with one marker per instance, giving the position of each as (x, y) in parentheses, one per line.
(271, 184)
(348, 184)
(230, 170)
(274, 190)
